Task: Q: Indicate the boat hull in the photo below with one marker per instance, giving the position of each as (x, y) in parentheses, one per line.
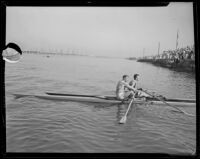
(108, 101)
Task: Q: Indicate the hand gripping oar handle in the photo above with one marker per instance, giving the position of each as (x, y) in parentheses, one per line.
(167, 103)
(123, 119)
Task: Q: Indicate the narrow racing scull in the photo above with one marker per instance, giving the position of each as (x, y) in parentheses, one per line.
(107, 99)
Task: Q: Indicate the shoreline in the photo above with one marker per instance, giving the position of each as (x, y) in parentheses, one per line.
(179, 65)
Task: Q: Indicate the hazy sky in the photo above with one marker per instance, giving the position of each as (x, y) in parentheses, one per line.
(111, 31)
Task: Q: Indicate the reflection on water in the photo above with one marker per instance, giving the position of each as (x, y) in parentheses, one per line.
(36, 125)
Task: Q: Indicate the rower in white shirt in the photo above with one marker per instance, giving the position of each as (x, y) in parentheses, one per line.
(122, 85)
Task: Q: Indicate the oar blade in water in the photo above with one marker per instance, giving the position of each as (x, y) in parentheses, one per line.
(123, 120)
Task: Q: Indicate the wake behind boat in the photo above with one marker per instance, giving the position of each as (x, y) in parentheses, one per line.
(106, 99)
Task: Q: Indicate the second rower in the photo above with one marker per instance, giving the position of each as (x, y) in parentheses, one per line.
(138, 93)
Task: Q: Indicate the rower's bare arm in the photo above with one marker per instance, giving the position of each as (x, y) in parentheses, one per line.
(129, 87)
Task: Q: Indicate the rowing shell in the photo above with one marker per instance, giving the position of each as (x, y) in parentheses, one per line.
(107, 99)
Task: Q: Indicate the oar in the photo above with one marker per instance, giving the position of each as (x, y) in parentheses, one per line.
(123, 119)
(167, 103)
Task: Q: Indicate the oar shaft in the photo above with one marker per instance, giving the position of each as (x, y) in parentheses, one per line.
(162, 100)
(123, 119)
(129, 107)
(169, 104)
(165, 102)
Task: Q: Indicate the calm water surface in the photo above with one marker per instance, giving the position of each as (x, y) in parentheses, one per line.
(36, 125)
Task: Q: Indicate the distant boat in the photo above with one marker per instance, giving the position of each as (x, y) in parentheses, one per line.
(48, 56)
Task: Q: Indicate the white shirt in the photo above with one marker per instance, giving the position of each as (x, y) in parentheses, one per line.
(120, 89)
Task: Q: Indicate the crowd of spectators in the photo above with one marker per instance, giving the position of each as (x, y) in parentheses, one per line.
(183, 58)
(180, 54)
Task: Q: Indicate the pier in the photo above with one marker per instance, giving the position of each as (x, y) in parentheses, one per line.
(182, 59)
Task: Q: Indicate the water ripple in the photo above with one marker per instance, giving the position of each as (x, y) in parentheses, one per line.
(36, 125)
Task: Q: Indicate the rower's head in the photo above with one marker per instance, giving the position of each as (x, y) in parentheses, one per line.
(125, 78)
(135, 77)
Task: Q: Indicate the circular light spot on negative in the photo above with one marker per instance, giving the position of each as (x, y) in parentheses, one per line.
(11, 55)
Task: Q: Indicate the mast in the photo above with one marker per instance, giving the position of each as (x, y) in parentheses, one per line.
(158, 48)
(177, 39)
(143, 52)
